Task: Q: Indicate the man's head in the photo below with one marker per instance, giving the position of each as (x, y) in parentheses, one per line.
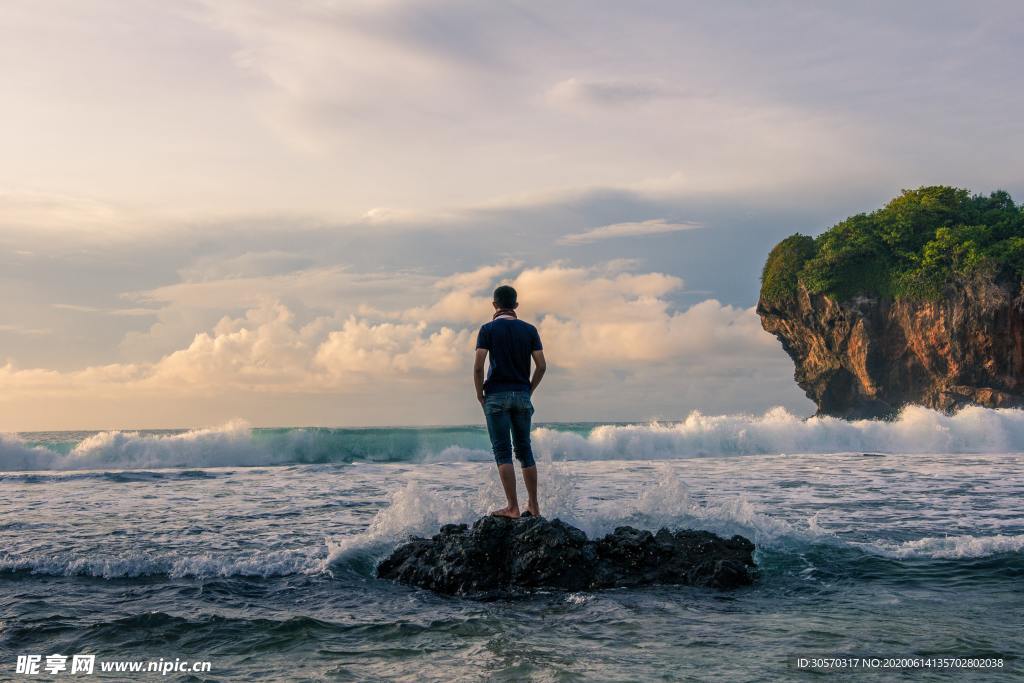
(505, 297)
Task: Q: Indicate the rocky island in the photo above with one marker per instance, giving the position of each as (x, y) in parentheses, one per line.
(498, 556)
(920, 302)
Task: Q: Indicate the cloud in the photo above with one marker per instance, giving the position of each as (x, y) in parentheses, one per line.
(610, 92)
(557, 289)
(46, 215)
(464, 296)
(398, 85)
(387, 350)
(321, 286)
(264, 350)
(593, 319)
(373, 94)
(655, 226)
(332, 66)
(617, 345)
(339, 158)
(121, 312)
(25, 331)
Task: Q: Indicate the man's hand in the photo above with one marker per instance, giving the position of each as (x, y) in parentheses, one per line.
(538, 372)
(478, 374)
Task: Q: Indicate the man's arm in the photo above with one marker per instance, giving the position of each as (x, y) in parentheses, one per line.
(538, 372)
(478, 373)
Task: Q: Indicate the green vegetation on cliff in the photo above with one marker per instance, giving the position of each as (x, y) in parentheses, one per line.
(911, 248)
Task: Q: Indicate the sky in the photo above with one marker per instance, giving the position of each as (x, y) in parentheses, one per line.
(294, 212)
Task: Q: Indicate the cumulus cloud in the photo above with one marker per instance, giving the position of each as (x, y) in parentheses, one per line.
(262, 350)
(383, 350)
(655, 226)
(592, 319)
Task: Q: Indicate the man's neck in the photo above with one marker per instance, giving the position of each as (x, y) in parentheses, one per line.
(506, 313)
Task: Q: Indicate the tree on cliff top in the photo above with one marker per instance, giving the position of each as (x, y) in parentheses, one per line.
(913, 247)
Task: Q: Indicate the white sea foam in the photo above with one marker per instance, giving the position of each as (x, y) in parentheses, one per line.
(390, 531)
(459, 454)
(411, 510)
(231, 444)
(952, 547)
(416, 510)
(577, 599)
(916, 430)
(131, 565)
(668, 502)
(15, 455)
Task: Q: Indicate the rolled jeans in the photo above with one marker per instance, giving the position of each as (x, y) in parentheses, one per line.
(508, 416)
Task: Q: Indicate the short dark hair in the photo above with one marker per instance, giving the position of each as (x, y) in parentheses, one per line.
(505, 296)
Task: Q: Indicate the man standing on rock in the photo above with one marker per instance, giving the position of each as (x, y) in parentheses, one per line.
(505, 395)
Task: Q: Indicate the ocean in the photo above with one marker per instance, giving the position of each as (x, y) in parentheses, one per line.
(254, 549)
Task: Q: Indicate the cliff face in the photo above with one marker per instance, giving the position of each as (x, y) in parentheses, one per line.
(869, 357)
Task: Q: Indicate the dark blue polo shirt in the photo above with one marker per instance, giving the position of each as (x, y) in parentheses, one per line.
(510, 344)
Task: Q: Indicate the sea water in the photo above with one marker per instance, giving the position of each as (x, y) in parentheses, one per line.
(255, 549)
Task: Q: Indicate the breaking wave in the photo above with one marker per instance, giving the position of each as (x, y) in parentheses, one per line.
(953, 547)
(232, 444)
(416, 510)
(916, 430)
(135, 565)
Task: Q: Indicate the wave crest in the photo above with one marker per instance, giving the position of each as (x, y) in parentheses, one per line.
(953, 547)
(134, 565)
(916, 430)
(230, 445)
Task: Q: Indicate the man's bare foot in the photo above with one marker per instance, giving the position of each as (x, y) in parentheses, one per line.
(511, 512)
(533, 508)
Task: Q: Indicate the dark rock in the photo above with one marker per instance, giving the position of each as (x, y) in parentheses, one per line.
(546, 553)
(499, 555)
(632, 557)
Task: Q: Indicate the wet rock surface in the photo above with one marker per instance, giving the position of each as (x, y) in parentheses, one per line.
(498, 556)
